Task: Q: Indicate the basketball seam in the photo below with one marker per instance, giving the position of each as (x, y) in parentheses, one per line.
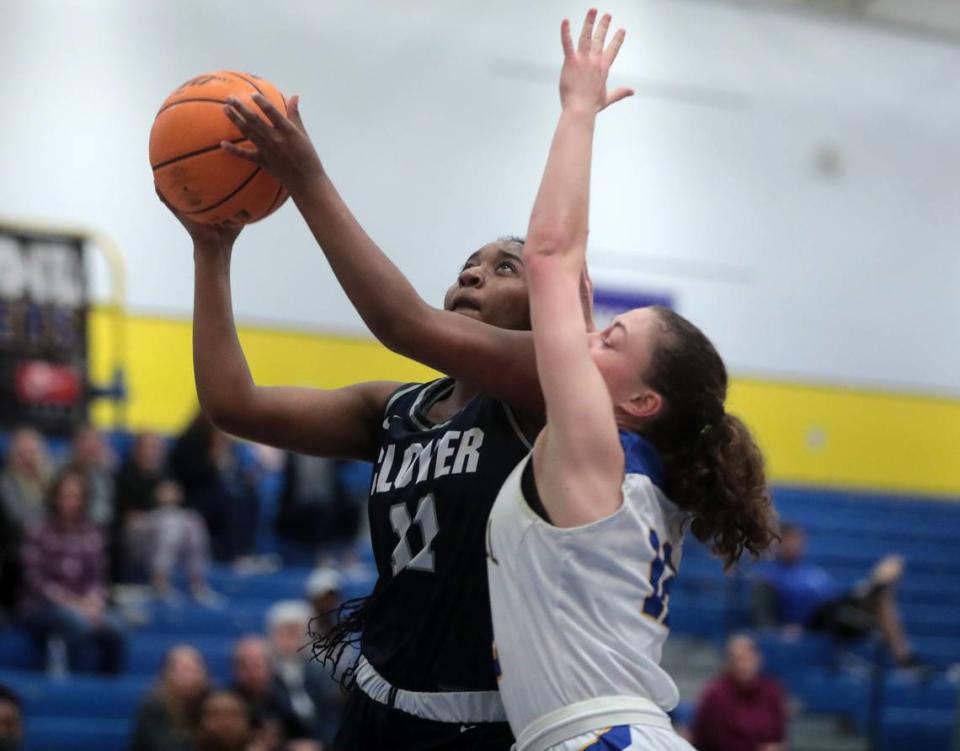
(204, 150)
(192, 99)
(227, 197)
(259, 90)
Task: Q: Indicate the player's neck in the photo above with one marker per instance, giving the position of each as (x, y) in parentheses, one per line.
(456, 400)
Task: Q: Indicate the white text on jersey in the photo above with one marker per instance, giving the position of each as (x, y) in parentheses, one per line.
(454, 453)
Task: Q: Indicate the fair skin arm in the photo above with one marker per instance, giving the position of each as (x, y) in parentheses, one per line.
(578, 460)
(338, 423)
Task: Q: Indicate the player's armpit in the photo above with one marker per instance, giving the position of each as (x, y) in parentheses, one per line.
(500, 363)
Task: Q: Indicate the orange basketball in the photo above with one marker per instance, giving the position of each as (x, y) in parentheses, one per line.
(191, 171)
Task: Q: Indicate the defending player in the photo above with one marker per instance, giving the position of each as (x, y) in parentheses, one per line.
(582, 543)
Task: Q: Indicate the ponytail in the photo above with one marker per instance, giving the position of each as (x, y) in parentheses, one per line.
(714, 468)
(721, 482)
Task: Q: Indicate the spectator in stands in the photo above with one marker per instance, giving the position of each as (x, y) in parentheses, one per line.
(25, 478)
(217, 485)
(307, 685)
(741, 710)
(254, 681)
(316, 510)
(157, 532)
(90, 454)
(65, 592)
(796, 595)
(169, 719)
(11, 720)
(226, 725)
(323, 591)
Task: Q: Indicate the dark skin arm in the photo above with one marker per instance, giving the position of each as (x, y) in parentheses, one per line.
(495, 361)
(337, 423)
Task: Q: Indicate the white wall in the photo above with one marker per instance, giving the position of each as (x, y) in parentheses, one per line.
(434, 118)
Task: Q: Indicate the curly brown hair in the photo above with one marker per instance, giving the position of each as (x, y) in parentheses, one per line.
(714, 468)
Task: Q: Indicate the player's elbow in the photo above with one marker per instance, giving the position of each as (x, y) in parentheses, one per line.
(227, 409)
(553, 240)
(548, 259)
(404, 329)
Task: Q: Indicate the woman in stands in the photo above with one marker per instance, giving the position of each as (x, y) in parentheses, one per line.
(65, 584)
(583, 540)
(170, 717)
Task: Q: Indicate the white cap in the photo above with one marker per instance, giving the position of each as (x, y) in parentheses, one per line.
(323, 580)
(288, 611)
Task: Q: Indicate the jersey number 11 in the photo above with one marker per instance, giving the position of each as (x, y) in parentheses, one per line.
(426, 519)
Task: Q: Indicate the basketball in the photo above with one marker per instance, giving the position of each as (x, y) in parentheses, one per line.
(197, 177)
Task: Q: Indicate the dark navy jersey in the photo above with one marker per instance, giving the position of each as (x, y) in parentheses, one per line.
(428, 625)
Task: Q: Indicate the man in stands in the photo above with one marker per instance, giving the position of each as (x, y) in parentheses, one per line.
(796, 595)
(255, 682)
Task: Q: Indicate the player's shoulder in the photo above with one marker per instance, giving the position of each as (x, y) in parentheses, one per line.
(641, 458)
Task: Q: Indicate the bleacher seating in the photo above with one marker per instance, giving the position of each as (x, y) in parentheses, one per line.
(847, 533)
(88, 713)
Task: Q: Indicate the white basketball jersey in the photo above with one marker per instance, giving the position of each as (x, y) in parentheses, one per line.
(579, 613)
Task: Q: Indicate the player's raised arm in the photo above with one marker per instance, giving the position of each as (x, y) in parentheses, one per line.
(337, 423)
(578, 457)
(498, 362)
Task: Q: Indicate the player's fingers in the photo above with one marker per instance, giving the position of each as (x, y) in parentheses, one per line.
(293, 112)
(586, 33)
(248, 123)
(565, 39)
(275, 116)
(256, 125)
(617, 95)
(613, 49)
(251, 155)
(600, 35)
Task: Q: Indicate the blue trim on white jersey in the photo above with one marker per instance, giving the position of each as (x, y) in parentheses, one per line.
(642, 458)
(615, 739)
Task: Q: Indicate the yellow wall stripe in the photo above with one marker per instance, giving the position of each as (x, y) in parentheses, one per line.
(816, 435)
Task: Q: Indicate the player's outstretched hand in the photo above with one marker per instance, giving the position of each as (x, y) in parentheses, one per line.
(219, 236)
(583, 79)
(282, 145)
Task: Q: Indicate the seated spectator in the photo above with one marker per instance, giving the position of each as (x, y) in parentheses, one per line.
(170, 717)
(226, 725)
(216, 485)
(316, 509)
(156, 532)
(312, 692)
(323, 591)
(798, 595)
(25, 478)
(90, 454)
(65, 587)
(255, 682)
(741, 710)
(11, 720)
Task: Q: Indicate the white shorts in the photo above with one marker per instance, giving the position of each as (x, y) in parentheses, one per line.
(626, 738)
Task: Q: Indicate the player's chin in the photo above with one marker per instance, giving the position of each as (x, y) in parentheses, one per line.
(469, 312)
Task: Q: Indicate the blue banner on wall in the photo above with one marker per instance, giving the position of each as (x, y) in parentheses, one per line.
(608, 303)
